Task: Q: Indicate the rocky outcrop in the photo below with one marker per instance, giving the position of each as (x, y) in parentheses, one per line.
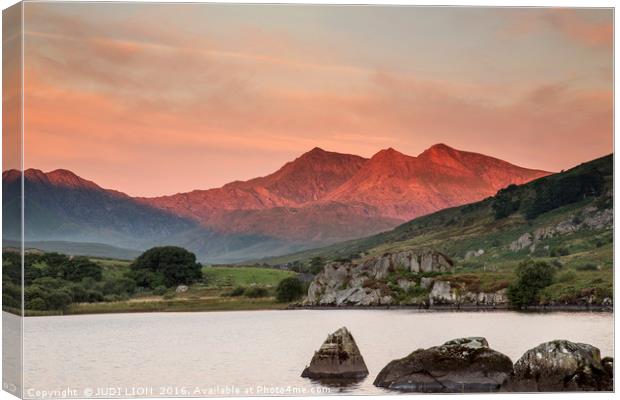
(338, 358)
(561, 365)
(591, 218)
(474, 253)
(458, 366)
(181, 289)
(445, 292)
(364, 284)
(524, 241)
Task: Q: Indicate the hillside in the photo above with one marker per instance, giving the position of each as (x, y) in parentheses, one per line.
(405, 187)
(324, 197)
(566, 218)
(60, 205)
(72, 215)
(319, 198)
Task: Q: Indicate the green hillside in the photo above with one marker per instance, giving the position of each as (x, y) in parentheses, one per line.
(568, 217)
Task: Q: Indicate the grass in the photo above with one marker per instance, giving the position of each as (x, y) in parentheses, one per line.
(243, 276)
(182, 304)
(584, 258)
(111, 262)
(209, 295)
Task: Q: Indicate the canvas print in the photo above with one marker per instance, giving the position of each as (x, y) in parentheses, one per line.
(211, 200)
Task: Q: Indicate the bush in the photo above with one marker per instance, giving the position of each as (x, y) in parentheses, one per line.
(11, 295)
(587, 267)
(289, 289)
(37, 304)
(567, 276)
(565, 189)
(256, 291)
(160, 290)
(113, 297)
(168, 266)
(531, 278)
(557, 263)
(238, 291)
(316, 265)
(506, 202)
(169, 296)
(78, 268)
(559, 251)
(58, 299)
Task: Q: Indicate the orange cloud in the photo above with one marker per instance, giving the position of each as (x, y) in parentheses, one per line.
(571, 23)
(592, 33)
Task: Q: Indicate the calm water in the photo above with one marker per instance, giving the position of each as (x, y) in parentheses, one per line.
(262, 351)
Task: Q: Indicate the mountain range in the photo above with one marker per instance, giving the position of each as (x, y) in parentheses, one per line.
(319, 198)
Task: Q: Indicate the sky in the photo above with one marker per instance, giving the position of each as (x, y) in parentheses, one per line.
(154, 99)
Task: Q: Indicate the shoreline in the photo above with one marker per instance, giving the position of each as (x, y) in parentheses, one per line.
(291, 307)
(469, 307)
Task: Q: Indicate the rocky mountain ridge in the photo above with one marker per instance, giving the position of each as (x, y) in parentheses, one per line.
(319, 198)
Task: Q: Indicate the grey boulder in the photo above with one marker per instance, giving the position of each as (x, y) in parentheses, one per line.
(337, 358)
(458, 366)
(561, 365)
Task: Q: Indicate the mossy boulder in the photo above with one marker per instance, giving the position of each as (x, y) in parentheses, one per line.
(561, 365)
(462, 365)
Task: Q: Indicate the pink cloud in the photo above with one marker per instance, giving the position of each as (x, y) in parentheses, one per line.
(135, 114)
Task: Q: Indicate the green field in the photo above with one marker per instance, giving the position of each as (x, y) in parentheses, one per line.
(209, 295)
(214, 292)
(178, 304)
(243, 276)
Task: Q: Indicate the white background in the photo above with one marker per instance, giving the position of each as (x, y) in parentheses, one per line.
(565, 3)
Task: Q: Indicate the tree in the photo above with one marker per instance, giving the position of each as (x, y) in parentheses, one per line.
(289, 289)
(531, 278)
(167, 265)
(316, 265)
(506, 202)
(79, 268)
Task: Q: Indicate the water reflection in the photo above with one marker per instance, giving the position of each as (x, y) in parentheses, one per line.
(264, 352)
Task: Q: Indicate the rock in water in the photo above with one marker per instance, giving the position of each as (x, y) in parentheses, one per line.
(338, 358)
(458, 366)
(561, 365)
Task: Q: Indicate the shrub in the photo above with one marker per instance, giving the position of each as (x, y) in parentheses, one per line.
(531, 278)
(58, 299)
(78, 268)
(557, 263)
(169, 296)
(238, 291)
(567, 276)
(11, 295)
(113, 297)
(37, 304)
(160, 290)
(256, 291)
(559, 251)
(506, 202)
(565, 189)
(289, 289)
(316, 265)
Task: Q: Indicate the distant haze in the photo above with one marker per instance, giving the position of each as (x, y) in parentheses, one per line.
(154, 99)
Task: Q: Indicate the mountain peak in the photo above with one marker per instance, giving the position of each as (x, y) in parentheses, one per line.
(59, 177)
(441, 146)
(390, 152)
(316, 150)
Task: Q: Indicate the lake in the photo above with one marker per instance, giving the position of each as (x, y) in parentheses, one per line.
(261, 352)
